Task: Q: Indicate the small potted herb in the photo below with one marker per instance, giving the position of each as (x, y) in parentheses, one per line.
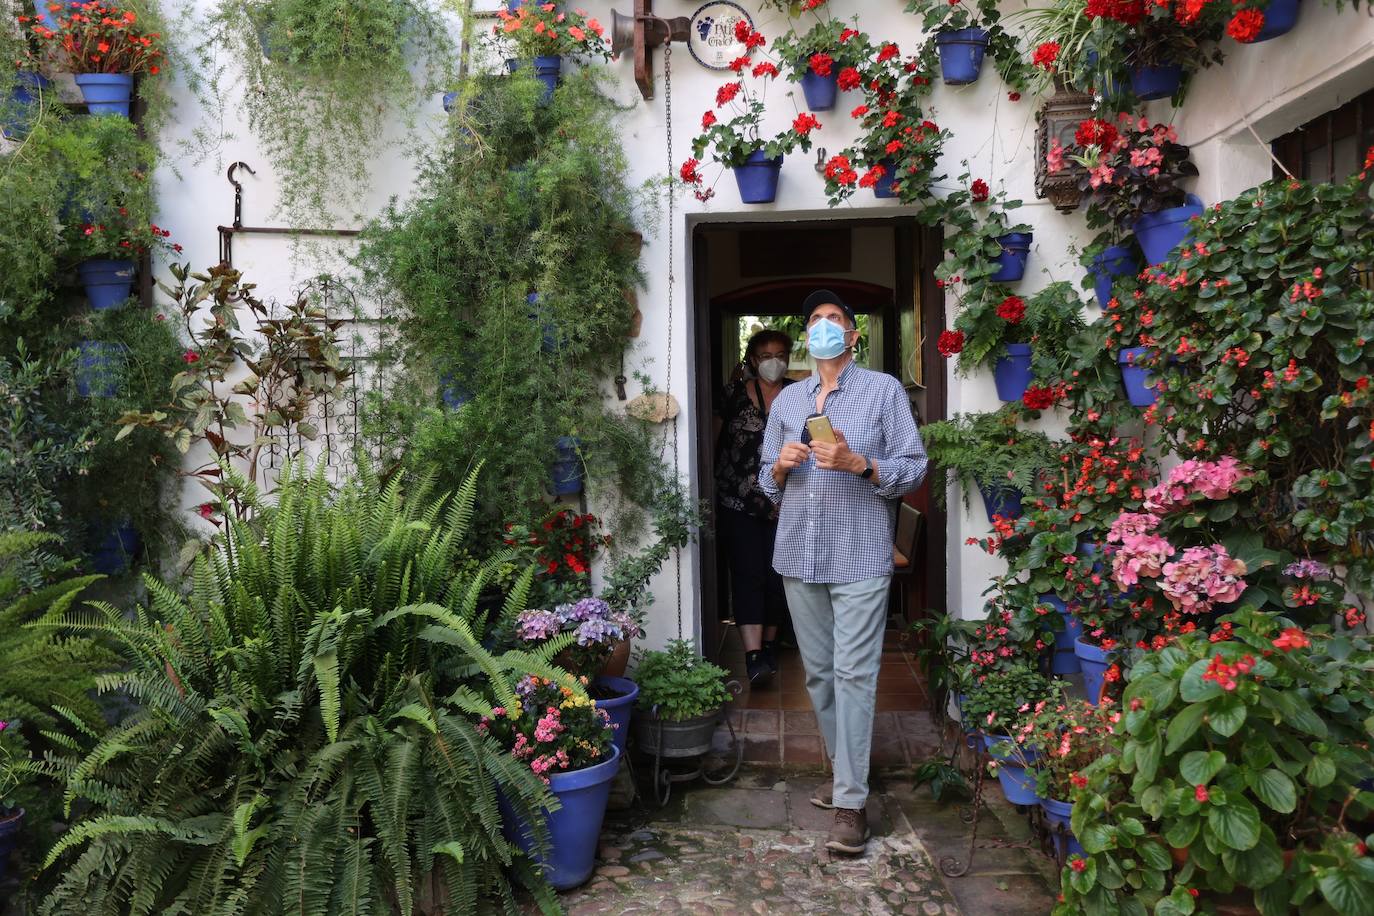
(1001, 708)
(681, 696)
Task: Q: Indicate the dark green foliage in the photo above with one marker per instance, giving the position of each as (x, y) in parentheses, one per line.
(987, 450)
(303, 741)
(681, 683)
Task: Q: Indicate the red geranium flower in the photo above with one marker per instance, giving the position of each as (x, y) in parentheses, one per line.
(708, 119)
(888, 52)
(1095, 131)
(950, 343)
(190, 357)
(849, 78)
(1012, 309)
(727, 93)
(1045, 55)
(1245, 26)
(821, 64)
(689, 172)
(1038, 398)
(805, 123)
(979, 190)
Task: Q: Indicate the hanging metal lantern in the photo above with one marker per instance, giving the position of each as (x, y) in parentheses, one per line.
(1059, 117)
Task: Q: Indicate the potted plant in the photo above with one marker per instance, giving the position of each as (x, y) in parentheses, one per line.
(819, 57)
(964, 31)
(999, 707)
(568, 743)
(1069, 735)
(106, 47)
(989, 453)
(542, 34)
(681, 696)
(1106, 263)
(737, 143)
(1157, 46)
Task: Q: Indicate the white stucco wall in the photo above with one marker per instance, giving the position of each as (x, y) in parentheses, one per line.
(1277, 85)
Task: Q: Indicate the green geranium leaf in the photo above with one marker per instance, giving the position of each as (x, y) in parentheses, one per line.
(1274, 788)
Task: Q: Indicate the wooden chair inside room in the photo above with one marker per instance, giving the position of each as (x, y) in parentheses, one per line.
(905, 558)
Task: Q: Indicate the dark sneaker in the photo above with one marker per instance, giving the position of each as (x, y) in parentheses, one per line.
(756, 666)
(824, 796)
(770, 655)
(849, 834)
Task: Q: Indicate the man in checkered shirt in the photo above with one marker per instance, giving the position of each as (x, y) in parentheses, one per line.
(834, 543)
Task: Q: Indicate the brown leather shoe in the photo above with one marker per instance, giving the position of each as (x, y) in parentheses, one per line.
(849, 834)
(823, 796)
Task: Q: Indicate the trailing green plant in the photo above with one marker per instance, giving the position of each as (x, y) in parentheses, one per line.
(1245, 756)
(987, 450)
(679, 683)
(305, 737)
(998, 705)
(316, 75)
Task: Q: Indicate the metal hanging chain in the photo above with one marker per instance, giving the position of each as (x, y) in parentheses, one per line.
(668, 116)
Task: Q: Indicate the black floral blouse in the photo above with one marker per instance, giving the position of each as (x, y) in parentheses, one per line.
(737, 452)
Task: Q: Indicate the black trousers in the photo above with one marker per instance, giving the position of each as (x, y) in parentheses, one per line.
(756, 593)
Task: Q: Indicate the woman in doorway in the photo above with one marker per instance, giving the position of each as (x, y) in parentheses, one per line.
(746, 519)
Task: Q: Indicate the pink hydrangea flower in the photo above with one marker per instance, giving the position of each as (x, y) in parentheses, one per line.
(1192, 478)
(1203, 577)
(1131, 524)
(1141, 555)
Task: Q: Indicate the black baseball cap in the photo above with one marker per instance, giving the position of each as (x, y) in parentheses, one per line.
(821, 297)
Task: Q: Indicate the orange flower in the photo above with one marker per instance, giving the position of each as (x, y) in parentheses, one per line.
(577, 33)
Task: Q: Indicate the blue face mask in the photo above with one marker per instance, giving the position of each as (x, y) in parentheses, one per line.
(825, 339)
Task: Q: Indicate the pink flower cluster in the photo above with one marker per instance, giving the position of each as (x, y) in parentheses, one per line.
(1131, 525)
(1203, 577)
(548, 727)
(1140, 555)
(1191, 479)
(545, 762)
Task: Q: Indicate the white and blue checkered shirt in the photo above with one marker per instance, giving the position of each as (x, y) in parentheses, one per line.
(836, 527)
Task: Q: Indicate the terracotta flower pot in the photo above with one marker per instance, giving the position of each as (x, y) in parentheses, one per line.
(618, 661)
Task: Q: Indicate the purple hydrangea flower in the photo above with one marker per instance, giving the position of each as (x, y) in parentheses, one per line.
(597, 631)
(587, 609)
(1308, 569)
(538, 624)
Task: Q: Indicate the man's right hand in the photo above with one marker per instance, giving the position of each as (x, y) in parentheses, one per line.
(793, 454)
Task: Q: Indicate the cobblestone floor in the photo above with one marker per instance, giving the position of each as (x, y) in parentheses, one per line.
(756, 846)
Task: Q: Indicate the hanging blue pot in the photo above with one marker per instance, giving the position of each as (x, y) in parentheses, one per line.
(573, 828)
(1161, 82)
(106, 93)
(1091, 553)
(98, 365)
(45, 15)
(1110, 83)
(1138, 379)
(108, 282)
(1011, 263)
(1012, 372)
(1107, 265)
(758, 178)
(1064, 661)
(453, 392)
(9, 837)
(1058, 814)
(547, 69)
(1018, 782)
(820, 91)
(1160, 233)
(24, 100)
(115, 548)
(568, 471)
(449, 100)
(883, 187)
(1003, 501)
(620, 707)
(1094, 661)
(961, 55)
(1279, 18)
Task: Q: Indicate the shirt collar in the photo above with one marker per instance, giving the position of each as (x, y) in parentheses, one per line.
(813, 381)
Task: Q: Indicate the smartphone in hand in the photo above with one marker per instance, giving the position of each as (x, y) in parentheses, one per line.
(820, 430)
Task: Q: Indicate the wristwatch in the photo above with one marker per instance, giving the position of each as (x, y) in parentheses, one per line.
(868, 471)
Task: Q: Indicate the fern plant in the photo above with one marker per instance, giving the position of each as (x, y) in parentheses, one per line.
(305, 740)
(987, 450)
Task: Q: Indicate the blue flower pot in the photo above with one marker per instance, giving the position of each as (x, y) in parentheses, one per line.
(1003, 501)
(1094, 660)
(1011, 263)
(883, 188)
(25, 97)
(449, 100)
(961, 55)
(548, 70)
(969, 729)
(543, 316)
(620, 707)
(98, 366)
(45, 16)
(1058, 814)
(1137, 378)
(1012, 373)
(1064, 660)
(1107, 82)
(568, 471)
(106, 93)
(1149, 83)
(1116, 261)
(1091, 553)
(1279, 18)
(758, 178)
(115, 548)
(573, 828)
(1160, 233)
(1018, 783)
(108, 282)
(820, 91)
(453, 392)
(9, 837)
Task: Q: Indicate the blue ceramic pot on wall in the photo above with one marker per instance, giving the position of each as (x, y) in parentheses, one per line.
(1135, 375)
(106, 93)
(1003, 501)
(1018, 782)
(568, 470)
(1161, 82)
(1012, 372)
(1094, 660)
(25, 98)
(1279, 18)
(961, 55)
(1160, 233)
(99, 365)
(820, 91)
(115, 547)
(1011, 263)
(758, 178)
(108, 282)
(573, 828)
(1115, 261)
(1064, 660)
(883, 187)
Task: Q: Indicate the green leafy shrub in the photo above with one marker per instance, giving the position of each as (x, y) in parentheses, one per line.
(681, 683)
(305, 733)
(1001, 701)
(987, 450)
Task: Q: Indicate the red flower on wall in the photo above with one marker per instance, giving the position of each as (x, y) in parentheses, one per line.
(979, 190)
(1045, 55)
(1012, 309)
(1245, 26)
(950, 343)
(821, 64)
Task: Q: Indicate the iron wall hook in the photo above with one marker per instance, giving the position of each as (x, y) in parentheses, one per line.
(238, 190)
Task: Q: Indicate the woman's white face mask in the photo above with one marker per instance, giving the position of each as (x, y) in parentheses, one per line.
(770, 370)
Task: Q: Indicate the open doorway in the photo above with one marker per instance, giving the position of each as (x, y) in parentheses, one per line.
(750, 276)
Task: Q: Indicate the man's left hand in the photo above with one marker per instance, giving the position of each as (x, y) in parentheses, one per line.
(838, 457)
